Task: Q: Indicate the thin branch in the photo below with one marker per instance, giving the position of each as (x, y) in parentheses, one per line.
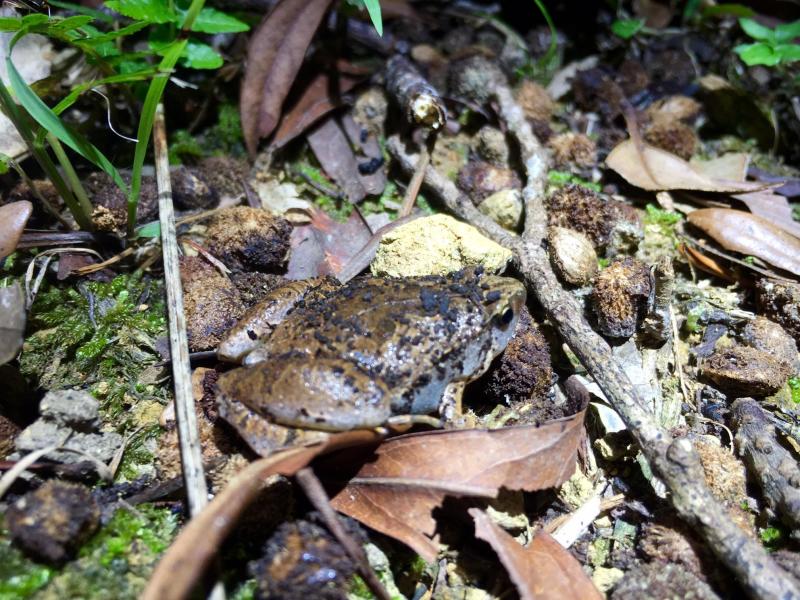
(673, 460)
(188, 434)
(319, 499)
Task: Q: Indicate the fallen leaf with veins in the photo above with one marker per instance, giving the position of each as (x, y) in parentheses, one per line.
(324, 246)
(410, 475)
(12, 321)
(184, 563)
(335, 155)
(13, 217)
(276, 52)
(743, 232)
(315, 102)
(772, 207)
(543, 570)
(669, 172)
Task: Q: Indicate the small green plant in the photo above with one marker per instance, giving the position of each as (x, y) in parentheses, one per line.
(794, 388)
(771, 536)
(627, 28)
(772, 46)
(170, 26)
(665, 219)
(561, 178)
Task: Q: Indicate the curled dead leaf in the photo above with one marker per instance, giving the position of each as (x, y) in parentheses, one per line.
(189, 555)
(12, 321)
(277, 49)
(742, 232)
(665, 171)
(315, 102)
(13, 217)
(410, 476)
(542, 571)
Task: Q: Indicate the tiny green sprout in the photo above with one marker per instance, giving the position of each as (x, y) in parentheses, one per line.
(770, 535)
(773, 46)
(659, 216)
(561, 178)
(627, 28)
(750, 260)
(692, 324)
(794, 387)
(603, 262)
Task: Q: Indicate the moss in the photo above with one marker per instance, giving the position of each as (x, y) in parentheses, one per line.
(20, 577)
(562, 178)
(794, 387)
(222, 139)
(771, 536)
(98, 334)
(118, 560)
(115, 563)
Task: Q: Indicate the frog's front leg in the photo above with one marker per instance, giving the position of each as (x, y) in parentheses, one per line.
(259, 321)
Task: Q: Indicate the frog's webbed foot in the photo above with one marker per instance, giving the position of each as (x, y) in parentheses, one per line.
(450, 406)
(258, 355)
(402, 423)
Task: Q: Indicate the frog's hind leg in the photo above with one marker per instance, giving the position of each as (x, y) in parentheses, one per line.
(450, 407)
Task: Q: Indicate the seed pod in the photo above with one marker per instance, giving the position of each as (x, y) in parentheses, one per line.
(572, 255)
(418, 99)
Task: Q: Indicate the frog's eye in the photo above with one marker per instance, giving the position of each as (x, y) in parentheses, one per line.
(506, 318)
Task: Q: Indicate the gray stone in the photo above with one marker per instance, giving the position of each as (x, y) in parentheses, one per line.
(71, 408)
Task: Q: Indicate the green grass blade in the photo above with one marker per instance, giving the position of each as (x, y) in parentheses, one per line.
(154, 93)
(43, 115)
(374, 10)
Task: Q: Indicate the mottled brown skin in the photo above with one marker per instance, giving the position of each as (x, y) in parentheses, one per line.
(352, 356)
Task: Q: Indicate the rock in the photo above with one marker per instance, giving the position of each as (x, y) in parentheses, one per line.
(12, 321)
(572, 255)
(8, 433)
(72, 416)
(472, 78)
(523, 372)
(491, 145)
(249, 239)
(573, 149)
(190, 190)
(620, 296)
(370, 110)
(436, 245)
(742, 371)
(212, 303)
(779, 301)
(534, 100)
(763, 334)
(75, 409)
(576, 207)
(302, 560)
(480, 180)
(662, 581)
(52, 522)
(505, 208)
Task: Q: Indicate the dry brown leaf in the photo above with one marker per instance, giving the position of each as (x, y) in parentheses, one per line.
(542, 571)
(411, 475)
(706, 263)
(670, 172)
(315, 102)
(742, 232)
(325, 246)
(772, 207)
(13, 217)
(189, 555)
(731, 166)
(12, 321)
(276, 51)
(335, 156)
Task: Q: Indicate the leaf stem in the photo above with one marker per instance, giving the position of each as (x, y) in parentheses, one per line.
(83, 204)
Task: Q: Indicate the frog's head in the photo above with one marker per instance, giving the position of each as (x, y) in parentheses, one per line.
(503, 299)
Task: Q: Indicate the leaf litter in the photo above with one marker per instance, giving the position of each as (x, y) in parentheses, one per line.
(314, 94)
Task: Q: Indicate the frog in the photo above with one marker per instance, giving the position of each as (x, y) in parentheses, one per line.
(319, 356)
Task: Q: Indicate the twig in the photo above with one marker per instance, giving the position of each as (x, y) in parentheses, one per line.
(673, 460)
(412, 191)
(319, 499)
(775, 468)
(188, 435)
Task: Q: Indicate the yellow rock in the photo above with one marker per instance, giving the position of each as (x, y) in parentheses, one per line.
(436, 245)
